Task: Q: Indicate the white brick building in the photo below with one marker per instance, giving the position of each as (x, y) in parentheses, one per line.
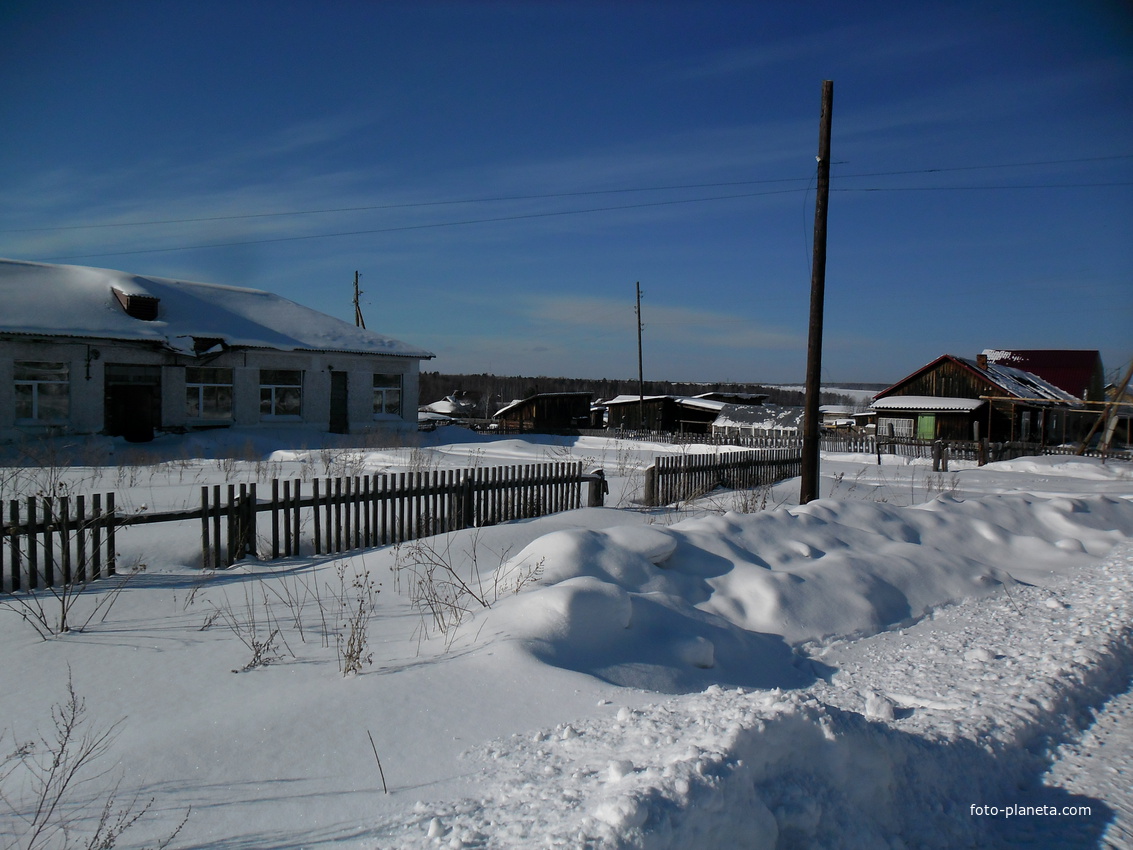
(85, 350)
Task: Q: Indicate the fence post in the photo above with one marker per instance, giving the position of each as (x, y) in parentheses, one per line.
(467, 504)
(15, 561)
(81, 539)
(33, 550)
(598, 488)
(65, 537)
(650, 497)
(111, 546)
(206, 549)
(48, 543)
(297, 501)
(275, 517)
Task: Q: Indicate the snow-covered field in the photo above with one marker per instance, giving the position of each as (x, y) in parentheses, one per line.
(917, 659)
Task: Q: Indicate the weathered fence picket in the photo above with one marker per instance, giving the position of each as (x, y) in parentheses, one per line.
(47, 542)
(674, 479)
(362, 511)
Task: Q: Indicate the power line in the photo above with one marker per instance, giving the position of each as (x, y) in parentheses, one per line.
(422, 226)
(557, 213)
(547, 196)
(411, 205)
(981, 188)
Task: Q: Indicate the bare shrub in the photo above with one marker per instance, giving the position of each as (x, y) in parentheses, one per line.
(445, 589)
(44, 783)
(255, 625)
(357, 600)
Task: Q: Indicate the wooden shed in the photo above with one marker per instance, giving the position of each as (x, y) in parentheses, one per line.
(683, 414)
(546, 412)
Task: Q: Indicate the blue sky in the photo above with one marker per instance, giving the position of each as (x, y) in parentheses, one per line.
(503, 173)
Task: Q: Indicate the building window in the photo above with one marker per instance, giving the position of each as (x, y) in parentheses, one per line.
(900, 427)
(387, 394)
(208, 393)
(281, 393)
(43, 391)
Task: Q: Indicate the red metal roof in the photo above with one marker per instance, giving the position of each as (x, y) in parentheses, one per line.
(1070, 370)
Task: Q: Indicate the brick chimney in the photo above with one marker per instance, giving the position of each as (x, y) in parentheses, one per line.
(981, 361)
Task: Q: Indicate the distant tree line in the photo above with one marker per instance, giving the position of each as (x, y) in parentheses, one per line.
(491, 392)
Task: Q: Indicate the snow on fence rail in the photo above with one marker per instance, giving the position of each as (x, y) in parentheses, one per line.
(44, 542)
(673, 479)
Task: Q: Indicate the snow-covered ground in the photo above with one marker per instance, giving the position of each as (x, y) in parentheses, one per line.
(917, 659)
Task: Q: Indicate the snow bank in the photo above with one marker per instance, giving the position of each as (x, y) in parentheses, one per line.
(716, 600)
(912, 730)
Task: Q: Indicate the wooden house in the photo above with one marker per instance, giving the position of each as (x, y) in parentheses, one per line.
(954, 398)
(85, 351)
(545, 412)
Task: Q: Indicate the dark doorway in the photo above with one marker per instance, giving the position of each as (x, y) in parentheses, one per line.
(132, 401)
(339, 407)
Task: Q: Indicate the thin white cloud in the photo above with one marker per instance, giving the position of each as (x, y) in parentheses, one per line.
(665, 326)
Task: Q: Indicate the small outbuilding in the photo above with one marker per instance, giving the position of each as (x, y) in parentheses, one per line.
(685, 414)
(546, 412)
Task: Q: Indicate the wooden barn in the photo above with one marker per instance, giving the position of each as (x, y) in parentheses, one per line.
(546, 412)
(954, 398)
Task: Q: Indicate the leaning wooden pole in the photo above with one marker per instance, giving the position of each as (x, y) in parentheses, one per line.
(809, 486)
(1104, 415)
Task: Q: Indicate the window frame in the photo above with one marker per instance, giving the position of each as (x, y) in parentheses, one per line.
(276, 389)
(200, 387)
(35, 385)
(385, 383)
(903, 426)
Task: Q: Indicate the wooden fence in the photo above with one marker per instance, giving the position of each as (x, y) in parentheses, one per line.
(52, 542)
(680, 477)
(831, 441)
(46, 542)
(339, 514)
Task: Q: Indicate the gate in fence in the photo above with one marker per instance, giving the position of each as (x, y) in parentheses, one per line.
(673, 479)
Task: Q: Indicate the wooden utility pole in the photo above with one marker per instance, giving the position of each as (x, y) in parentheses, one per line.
(640, 372)
(358, 320)
(809, 486)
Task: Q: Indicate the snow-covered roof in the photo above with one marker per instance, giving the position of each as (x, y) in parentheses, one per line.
(926, 402)
(1016, 383)
(684, 401)
(626, 399)
(42, 299)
